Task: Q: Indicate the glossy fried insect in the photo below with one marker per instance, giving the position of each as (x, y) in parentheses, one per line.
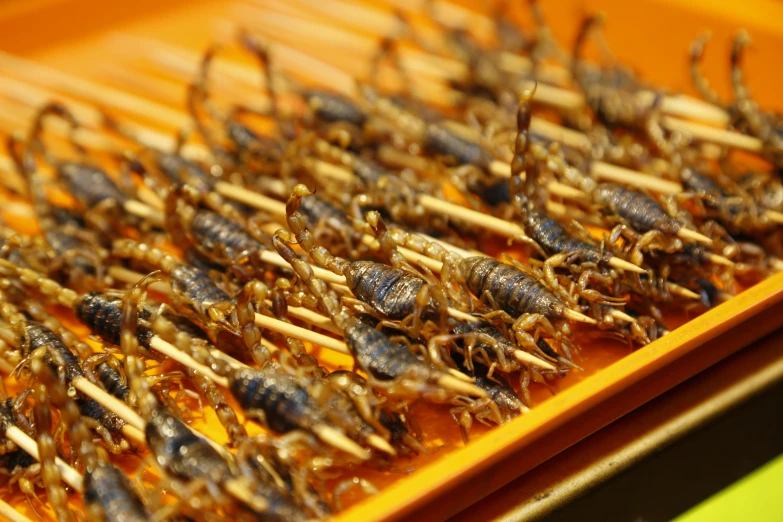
(34, 341)
(89, 185)
(240, 147)
(108, 493)
(214, 237)
(611, 95)
(501, 405)
(17, 465)
(75, 254)
(507, 289)
(47, 453)
(281, 401)
(267, 463)
(391, 291)
(373, 351)
(180, 452)
(195, 290)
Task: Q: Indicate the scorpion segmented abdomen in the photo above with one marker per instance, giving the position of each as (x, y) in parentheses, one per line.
(181, 452)
(90, 408)
(333, 108)
(389, 290)
(513, 290)
(443, 142)
(14, 460)
(286, 405)
(103, 315)
(214, 232)
(317, 210)
(38, 336)
(700, 183)
(90, 185)
(375, 353)
(197, 288)
(112, 380)
(107, 489)
(368, 171)
(641, 211)
(174, 166)
(63, 243)
(554, 238)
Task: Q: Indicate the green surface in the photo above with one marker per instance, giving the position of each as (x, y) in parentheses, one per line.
(758, 497)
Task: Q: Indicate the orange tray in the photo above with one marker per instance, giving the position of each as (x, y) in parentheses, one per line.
(651, 35)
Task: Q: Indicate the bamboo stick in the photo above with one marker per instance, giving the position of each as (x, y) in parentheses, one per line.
(75, 86)
(365, 18)
(11, 514)
(69, 475)
(311, 317)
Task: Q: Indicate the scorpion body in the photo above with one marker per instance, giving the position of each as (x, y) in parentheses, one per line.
(108, 493)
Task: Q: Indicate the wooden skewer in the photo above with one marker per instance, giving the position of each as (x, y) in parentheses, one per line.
(367, 19)
(713, 134)
(578, 317)
(146, 213)
(691, 235)
(277, 208)
(11, 514)
(69, 475)
(73, 85)
(454, 384)
(600, 170)
(464, 18)
(531, 360)
(609, 172)
(304, 334)
(619, 314)
(676, 289)
(172, 352)
(134, 429)
(499, 226)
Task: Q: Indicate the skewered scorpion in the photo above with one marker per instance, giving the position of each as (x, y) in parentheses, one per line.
(108, 493)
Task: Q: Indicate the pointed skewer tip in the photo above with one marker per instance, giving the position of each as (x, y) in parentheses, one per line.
(692, 235)
(461, 376)
(451, 383)
(622, 264)
(682, 291)
(340, 440)
(619, 314)
(531, 360)
(379, 443)
(720, 260)
(578, 316)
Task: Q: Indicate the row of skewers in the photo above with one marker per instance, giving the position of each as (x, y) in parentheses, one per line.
(301, 219)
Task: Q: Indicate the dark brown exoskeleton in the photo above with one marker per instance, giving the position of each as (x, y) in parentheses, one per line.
(501, 405)
(612, 95)
(519, 296)
(406, 375)
(284, 402)
(392, 291)
(108, 494)
(76, 252)
(17, 465)
(100, 197)
(189, 460)
(236, 145)
(34, 340)
(193, 289)
(766, 126)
